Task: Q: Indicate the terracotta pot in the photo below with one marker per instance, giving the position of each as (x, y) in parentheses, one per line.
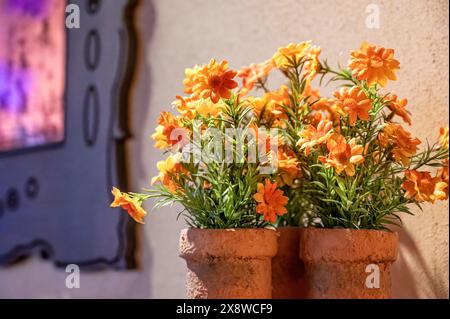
(228, 263)
(347, 263)
(287, 269)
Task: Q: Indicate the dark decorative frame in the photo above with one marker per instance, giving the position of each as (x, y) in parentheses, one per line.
(118, 133)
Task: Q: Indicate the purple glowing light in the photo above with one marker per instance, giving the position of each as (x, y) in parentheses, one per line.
(14, 88)
(33, 8)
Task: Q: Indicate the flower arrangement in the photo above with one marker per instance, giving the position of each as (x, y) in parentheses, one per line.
(291, 156)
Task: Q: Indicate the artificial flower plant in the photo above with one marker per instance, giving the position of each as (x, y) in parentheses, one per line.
(340, 161)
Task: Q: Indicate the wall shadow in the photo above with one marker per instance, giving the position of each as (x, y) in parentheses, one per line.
(404, 285)
(139, 114)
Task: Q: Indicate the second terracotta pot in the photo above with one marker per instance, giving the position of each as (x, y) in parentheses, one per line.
(348, 263)
(287, 269)
(228, 263)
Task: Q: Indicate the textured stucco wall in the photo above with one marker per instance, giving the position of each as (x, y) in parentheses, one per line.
(245, 31)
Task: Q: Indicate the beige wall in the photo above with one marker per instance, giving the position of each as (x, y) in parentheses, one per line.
(245, 31)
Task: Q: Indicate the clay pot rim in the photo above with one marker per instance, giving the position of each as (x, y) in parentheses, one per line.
(348, 245)
(338, 229)
(197, 243)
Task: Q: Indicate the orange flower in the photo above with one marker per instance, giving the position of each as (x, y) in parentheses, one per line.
(403, 146)
(374, 64)
(310, 94)
(443, 171)
(253, 74)
(190, 108)
(443, 138)
(131, 205)
(343, 156)
(271, 201)
(288, 167)
(294, 52)
(213, 81)
(312, 64)
(190, 79)
(169, 132)
(268, 108)
(420, 186)
(353, 102)
(277, 99)
(441, 190)
(398, 107)
(312, 136)
(169, 171)
(260, 109)
(323, 109)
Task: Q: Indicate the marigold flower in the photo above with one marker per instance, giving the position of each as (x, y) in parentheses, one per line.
(403, 146)
(312, 136)
(443, 138)
(353, 102)
(131, 205)
(169, 171)
(374, 64)
(294, 52)
(343, 156)
(419, 185)
(398, 107)
(169, 132)
(271, 201)
(253, 74)
(214, 81)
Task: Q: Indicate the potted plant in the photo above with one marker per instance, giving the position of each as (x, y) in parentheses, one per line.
(282, 108)
(219, 169)
(361, 170)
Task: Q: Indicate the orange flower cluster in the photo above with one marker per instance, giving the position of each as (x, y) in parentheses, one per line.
(271, 201)
(374, 64)
(352, 134)
(403, 145)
